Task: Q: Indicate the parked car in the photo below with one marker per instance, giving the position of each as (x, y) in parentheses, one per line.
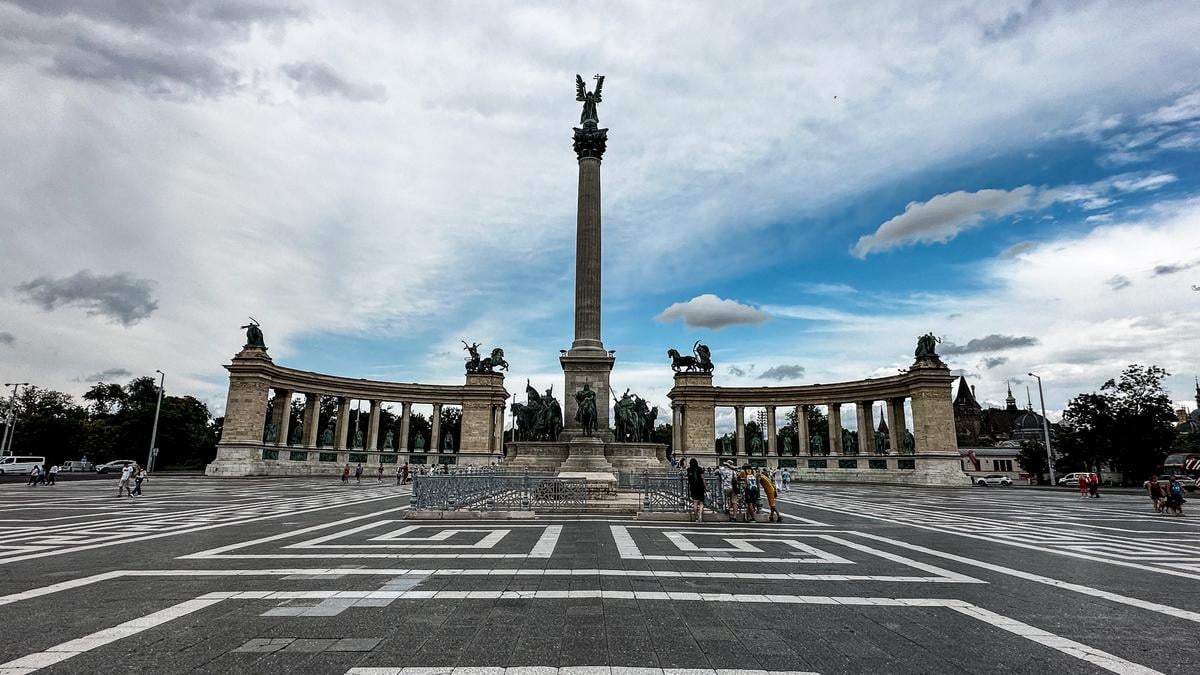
(19, 464)
(992, 479)
(1071, 480)
(116, 465)
(1188, 483)
(78, 465)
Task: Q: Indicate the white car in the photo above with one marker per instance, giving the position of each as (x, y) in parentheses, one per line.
(78, 465)
(992, 479)
(115, 466)
(1071, 480)
(19, 465)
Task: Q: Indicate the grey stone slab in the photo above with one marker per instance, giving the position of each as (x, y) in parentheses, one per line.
(355, 645)
(310, 644)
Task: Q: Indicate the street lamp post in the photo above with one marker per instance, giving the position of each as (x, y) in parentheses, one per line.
(12, 406)
(154, 431)
(1045, 428)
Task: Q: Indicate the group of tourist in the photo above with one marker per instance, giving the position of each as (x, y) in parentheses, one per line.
(743, 490)
(406, 473)
(1166, 498)
(131, 474)
(41, 475)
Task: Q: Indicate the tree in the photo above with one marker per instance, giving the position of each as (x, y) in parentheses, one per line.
(1032, 458)
(664, 434)
(1129, 424)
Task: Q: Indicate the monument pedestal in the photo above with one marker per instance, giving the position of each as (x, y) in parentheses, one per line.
(586, 454)
(591, 367)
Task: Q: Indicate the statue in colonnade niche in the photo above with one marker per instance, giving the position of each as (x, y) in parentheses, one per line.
(254, 335)
(727, 445)
(448, 442)
(910, 443)
(389, 441)
(358, 438)
(818, 445)
(272, 433)
(419, 442)
(881, 444)
(787, 445)
(849, 442)
(327, 435)
(586, 414)
(756, 445)
(297, 435)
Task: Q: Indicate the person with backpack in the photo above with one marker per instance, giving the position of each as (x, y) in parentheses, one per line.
(727, 487)
(1175, 498)
(748, 484)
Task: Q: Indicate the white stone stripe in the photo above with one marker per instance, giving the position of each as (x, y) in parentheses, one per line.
(284, 535)
(64, 651)
(570, 670)
(544, 547)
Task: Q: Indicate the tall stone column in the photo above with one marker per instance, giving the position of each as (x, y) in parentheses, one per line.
(373, 426)
(405, 413)
(281, 415)
(676, 431)
(342, 431)
(772, 433)
(739, 432)
(435, 429)
(587, 361)
(866, 427)
(896, 424)
(802, 438)
(835, 428)
(312, 419)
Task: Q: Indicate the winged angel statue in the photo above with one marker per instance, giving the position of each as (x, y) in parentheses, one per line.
(590, 99)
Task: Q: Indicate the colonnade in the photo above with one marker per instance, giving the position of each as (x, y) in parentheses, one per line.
(254, 442)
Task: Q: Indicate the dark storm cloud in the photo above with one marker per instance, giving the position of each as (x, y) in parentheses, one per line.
(782, 372)
(312, 78)
(165, 49)
(990, 343)
(107, 375)
(993, 361)
(6, 338)
(121, 298)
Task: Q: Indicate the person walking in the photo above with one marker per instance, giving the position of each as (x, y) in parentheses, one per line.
(1083, 484)
(1094, 486)
(346, 474)
(1175, 497)
(42, 475)
(768, 488)
(34, 474)
(53, 475)
(138, 477)
(695, 483)
(748, 484)
(1155, 489)
(358, 473)
(126, 474)
(727, 481)
(379, 478)
(787, 480)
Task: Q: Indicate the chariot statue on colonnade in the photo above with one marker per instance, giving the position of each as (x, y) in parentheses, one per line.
(487, 364)
(700, 361)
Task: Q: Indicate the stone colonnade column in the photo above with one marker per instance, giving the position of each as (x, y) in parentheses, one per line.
(312, 420)
(342, 430)
(739, 413)
(896, 424)
(772, 445)
(676, 430)
(497, 445)
(802, 439)
(866, 427)
(835, 428)
(405, 413)
(281, 415)
(435, 426)
(373, 427)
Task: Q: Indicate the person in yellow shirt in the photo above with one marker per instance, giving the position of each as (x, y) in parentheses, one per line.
(768, 489)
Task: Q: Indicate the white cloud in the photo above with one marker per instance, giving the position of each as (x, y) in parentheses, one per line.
(710, 311)
(943, 217)
(1186, 107)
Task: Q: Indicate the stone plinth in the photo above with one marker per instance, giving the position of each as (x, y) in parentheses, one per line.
(543, 456)
(586, 454)
(591, 367)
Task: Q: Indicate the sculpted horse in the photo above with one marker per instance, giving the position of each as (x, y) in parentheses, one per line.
(496, 360)
(680, 362)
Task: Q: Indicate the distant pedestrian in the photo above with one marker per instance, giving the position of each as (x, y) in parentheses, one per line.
(1155, 490)
(34, 474)
(695, 483)
(1175, 498)
(358, 473)
(787, 480)
(748, 487)
(727, 481)
(138, 477)
(1083, 485)
(1094, 486)
(346, 474)
(126, 474)
(42, 476)
(52, 475)
(379, 479)
(399, 475)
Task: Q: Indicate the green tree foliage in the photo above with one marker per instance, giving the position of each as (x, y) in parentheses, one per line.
(116, 424)
(1128, 424)
(1032, 459)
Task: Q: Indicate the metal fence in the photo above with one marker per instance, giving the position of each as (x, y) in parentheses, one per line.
(669, 492)
(499, 492)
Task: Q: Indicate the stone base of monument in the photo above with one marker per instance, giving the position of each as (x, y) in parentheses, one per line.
(544, 456)
(585, 454)
(600, 484)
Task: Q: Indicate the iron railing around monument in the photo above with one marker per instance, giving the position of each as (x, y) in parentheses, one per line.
(668, 492)
(498, 492)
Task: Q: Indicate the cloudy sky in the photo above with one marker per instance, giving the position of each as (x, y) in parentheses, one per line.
(805, 187)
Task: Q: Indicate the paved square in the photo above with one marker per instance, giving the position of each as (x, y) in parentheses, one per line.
(313, 576)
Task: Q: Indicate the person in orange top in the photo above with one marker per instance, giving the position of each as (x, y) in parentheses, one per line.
(768, 489)
(1083, 485)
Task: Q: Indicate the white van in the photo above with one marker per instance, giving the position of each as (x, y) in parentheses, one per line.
(19, 464)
